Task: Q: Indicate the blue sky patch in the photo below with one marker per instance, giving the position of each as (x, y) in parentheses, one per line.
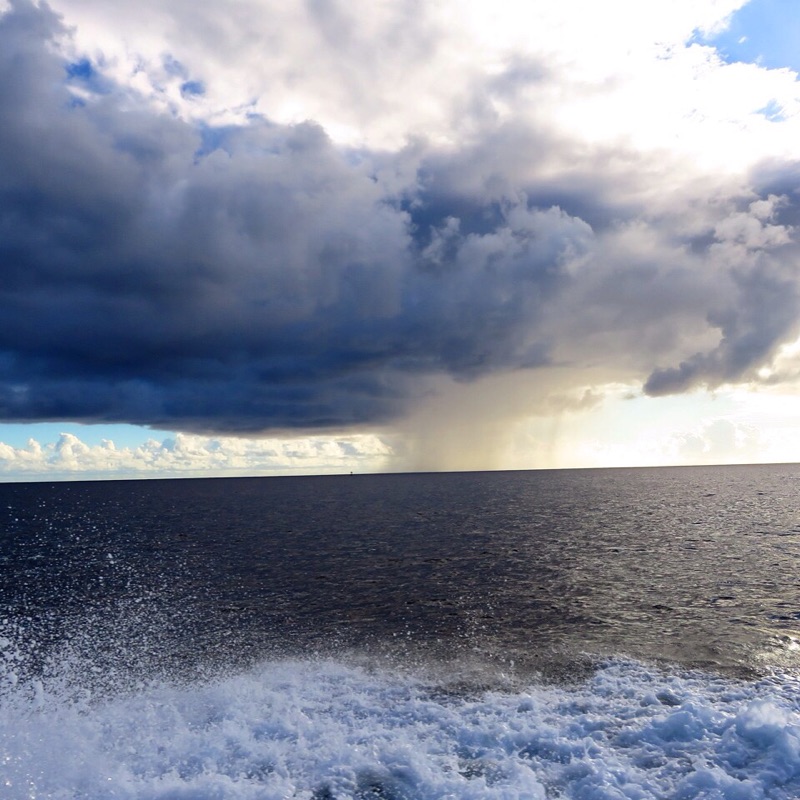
(212, 138)
(123, 435)
(82, 70)
(764, 32)
(193, 88)
(773, 111)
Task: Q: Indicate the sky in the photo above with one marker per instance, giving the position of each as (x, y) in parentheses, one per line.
(268, 237)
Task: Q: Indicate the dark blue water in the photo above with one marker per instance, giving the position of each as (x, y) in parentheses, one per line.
(525, 634)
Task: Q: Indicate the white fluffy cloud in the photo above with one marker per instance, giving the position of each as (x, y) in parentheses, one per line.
(376, 74)
(187, 455)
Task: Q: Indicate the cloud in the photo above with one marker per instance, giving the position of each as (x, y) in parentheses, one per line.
(720, 441)
(299, 256)
(712, 441)
(763, 311)
(260, 281)
(189, 455)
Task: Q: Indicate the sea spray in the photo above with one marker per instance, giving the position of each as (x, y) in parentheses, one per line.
(327, 729)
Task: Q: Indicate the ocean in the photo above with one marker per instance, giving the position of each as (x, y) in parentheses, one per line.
(588, 634)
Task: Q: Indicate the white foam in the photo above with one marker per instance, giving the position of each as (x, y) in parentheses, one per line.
(328, 730)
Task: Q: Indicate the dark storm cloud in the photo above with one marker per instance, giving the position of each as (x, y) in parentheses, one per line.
(257, 277)
(662, 270)
(254, 277)
(764, 314)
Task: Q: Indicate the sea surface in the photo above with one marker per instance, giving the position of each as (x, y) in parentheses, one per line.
(592, 634)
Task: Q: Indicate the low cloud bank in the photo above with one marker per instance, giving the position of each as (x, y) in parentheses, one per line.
(186, 455)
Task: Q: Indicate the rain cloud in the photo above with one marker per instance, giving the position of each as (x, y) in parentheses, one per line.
(256, 274)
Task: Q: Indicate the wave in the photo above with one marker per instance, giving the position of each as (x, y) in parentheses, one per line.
(325, 729)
